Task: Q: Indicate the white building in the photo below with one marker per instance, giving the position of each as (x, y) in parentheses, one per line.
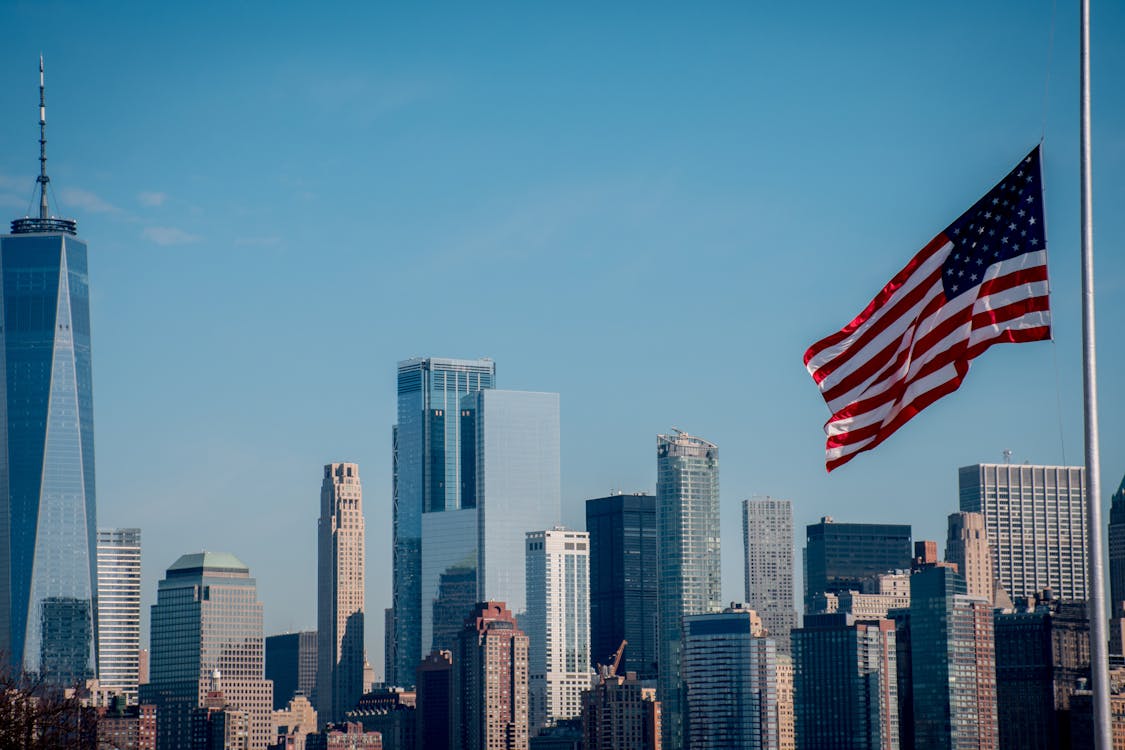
(557, 623)
(119, 610)
(767, 539)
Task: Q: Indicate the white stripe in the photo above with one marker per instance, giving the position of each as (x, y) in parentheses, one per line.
(919, 275)
(923, 327)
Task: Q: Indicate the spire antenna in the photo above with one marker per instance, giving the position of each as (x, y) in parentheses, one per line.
(43, 178)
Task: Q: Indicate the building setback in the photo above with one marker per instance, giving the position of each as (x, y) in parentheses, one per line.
(730, 682)
(493, 680)
(623, 580)
(119, 610)
(839, 556)
(687, 522)
(557, 623)
(1035, 517)
(966, 547)
(845, 684)
(340, 592)
(767, 540)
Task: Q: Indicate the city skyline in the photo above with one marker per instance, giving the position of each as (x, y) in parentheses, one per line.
(606, 437)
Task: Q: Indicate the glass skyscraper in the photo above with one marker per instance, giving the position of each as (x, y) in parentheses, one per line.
(48, 529)
(687, 522)
(838, 556)
(427, 479)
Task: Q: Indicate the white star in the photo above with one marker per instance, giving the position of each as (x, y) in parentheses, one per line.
(1031, 220)
(1004, 240)
(991, 232)
(1022, 212)
(955, 287)
(1031, 199)
(973, 277)
(995, 201)
(1034, 242)
(1012, 225)
(979, 261)
(1016, 246)
(961, 273)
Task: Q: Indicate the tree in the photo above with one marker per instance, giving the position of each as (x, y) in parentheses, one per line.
(35, 715)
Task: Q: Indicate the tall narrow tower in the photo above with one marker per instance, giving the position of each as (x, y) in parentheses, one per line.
(340, 553)
(47, 517)
(119, 610)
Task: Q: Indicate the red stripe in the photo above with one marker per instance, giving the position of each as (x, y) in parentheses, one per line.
(899, 280)
(1012, 280)
(1009, 336)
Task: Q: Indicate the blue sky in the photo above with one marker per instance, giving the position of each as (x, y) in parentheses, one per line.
(652, 209)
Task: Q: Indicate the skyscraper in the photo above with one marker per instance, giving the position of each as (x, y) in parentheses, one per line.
(839, 556)
(767, 539)
(47, 504)
(438, 708)
(119, 610)
(730, 680)
(623, 580)
(1117, 551)
(340, 566)
(1035, 517)
(557, 623)
(291, 665)
(493, 680)
(206, 627)
(952, 663)
(845, 686)
(687, 522)
(966, 547)
(427, 479)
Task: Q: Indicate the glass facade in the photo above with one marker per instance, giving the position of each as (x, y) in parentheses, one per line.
(518, 482)
(291, 666)
(838, 556)
(449, 575)
(687, 522)
(623, 581)
(119, 610)
(1035, 517)
(47, 502)
(427, 478)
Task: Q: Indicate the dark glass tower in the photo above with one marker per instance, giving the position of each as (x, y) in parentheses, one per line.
(427, 479)
(48, 529)
(839, 555)
(1117, 552)
(623, 581)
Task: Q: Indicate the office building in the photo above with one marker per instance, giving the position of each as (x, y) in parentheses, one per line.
(206, 626)
(493, 680)
(687, 522)
(623, 580)
(340, 567)
(47, 572)
(557, 623)
(119, 610)
(427, 479)
(966, 547)
(767, 540)
(845, 684)
(953, 663)
(838, 556)
(730, 682)
(620, 711)
(437, 703)
(1042, 652)
(1117, 552)
(291, 666)
(786, 734)
(1035, 517)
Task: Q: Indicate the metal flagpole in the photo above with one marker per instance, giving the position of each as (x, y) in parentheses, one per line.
(1099, 658)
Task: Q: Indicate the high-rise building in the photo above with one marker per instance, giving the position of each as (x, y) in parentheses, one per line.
(291, 666)
(730, 682)
(340, 566)
(1035, 517)
(48, 530)
(493, 680)
(838, 556)
(427, 479)
(1117, 552)
(845, 684)
(119, 610)
(786, 737)
(623, 580)
(767, 540)
(953, 664)
(437, 703)
(206, 625)
(621, 711)
(687, 522)
(1042, 652)
(966, 546)
(557, 623)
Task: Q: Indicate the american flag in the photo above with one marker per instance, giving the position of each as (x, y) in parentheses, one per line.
(981, 281)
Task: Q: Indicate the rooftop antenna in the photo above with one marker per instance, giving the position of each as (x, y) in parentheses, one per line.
(1007, 455)
(43, 178)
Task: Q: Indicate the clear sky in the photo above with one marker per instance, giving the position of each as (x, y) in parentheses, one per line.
(650, 208)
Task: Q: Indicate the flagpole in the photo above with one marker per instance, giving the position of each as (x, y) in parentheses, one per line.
(1099, 666)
